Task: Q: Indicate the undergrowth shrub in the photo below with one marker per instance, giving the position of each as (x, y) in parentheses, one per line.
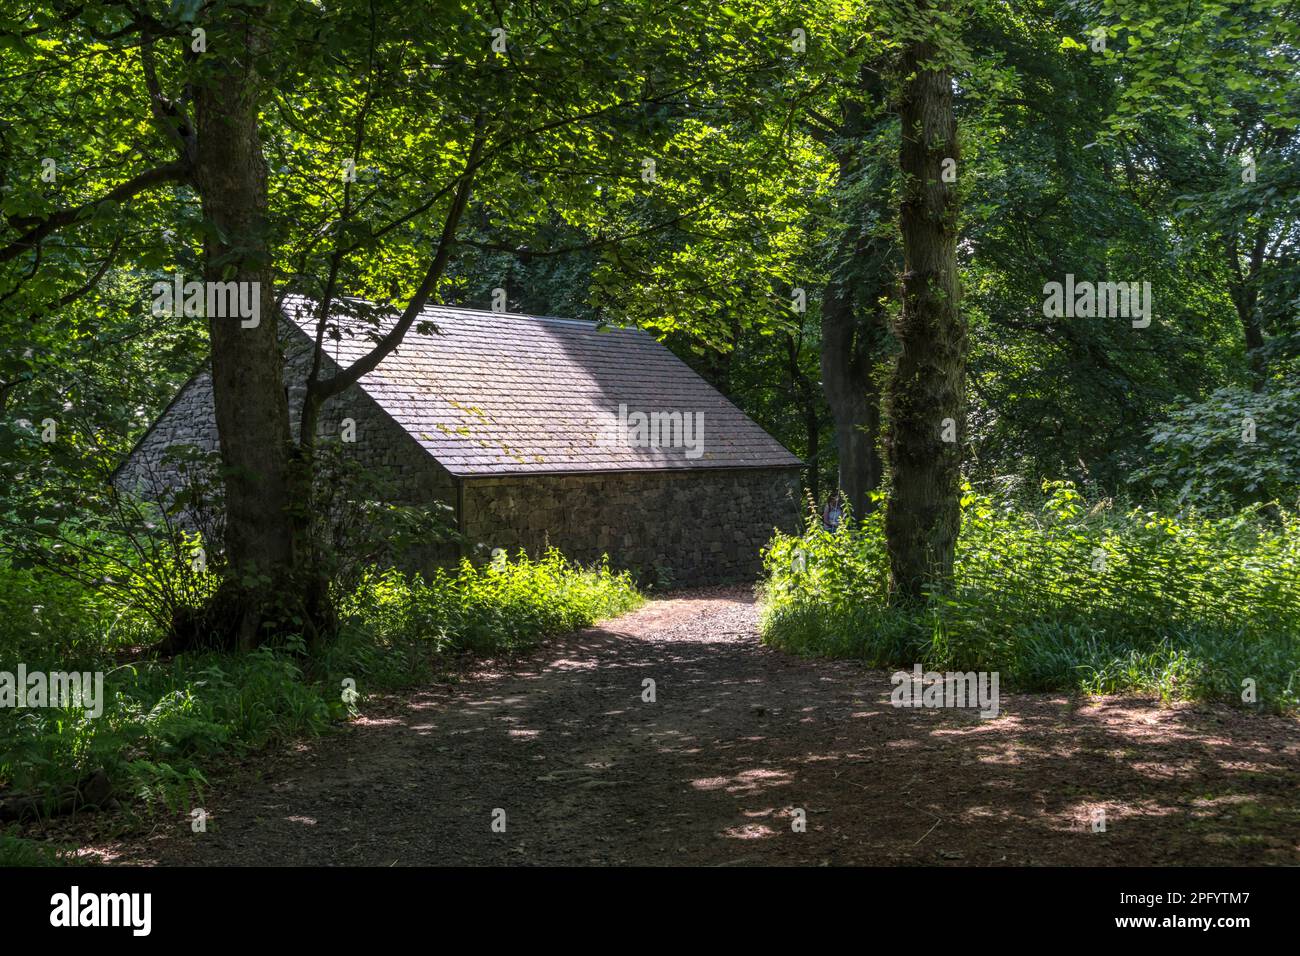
(1068, 595)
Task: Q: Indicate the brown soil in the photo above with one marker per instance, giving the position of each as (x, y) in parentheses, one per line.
(738, 738)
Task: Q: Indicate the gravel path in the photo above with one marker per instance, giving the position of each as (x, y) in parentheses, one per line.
(738, 739)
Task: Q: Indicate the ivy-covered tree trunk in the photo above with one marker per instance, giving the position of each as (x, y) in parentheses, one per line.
(927, 390)
(251, 405)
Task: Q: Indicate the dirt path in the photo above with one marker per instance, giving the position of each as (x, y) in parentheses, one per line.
(739, 736)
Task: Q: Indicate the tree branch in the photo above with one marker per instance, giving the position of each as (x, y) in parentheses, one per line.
(351, 375)
(171, 172)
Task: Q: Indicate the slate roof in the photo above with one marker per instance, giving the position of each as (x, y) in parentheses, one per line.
(499, 394)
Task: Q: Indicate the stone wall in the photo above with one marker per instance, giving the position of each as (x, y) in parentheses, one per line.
(405, 472)
(698, 527)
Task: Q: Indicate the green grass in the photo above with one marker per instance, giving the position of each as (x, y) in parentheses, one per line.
(164, 721)
(1062, 596)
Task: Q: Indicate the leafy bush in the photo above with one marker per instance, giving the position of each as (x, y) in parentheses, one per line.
(45, 614)
(499, 607)
(1234, 448)
(1067, 596)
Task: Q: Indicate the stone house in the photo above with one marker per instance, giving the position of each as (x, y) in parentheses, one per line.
(536, 431)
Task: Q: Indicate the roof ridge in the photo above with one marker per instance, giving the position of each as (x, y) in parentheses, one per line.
(585, 323)
(428, 306)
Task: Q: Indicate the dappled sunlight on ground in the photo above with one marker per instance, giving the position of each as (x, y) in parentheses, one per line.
(740, 742)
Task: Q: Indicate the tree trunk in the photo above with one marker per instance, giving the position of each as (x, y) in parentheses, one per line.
(849, 348)
(1244, 290)
(805, 391)
(248, 392)
(927, 391)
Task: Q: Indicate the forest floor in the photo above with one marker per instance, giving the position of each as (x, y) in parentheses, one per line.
(739, 737)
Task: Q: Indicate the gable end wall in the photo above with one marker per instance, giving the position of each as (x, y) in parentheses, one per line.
(383, 445)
